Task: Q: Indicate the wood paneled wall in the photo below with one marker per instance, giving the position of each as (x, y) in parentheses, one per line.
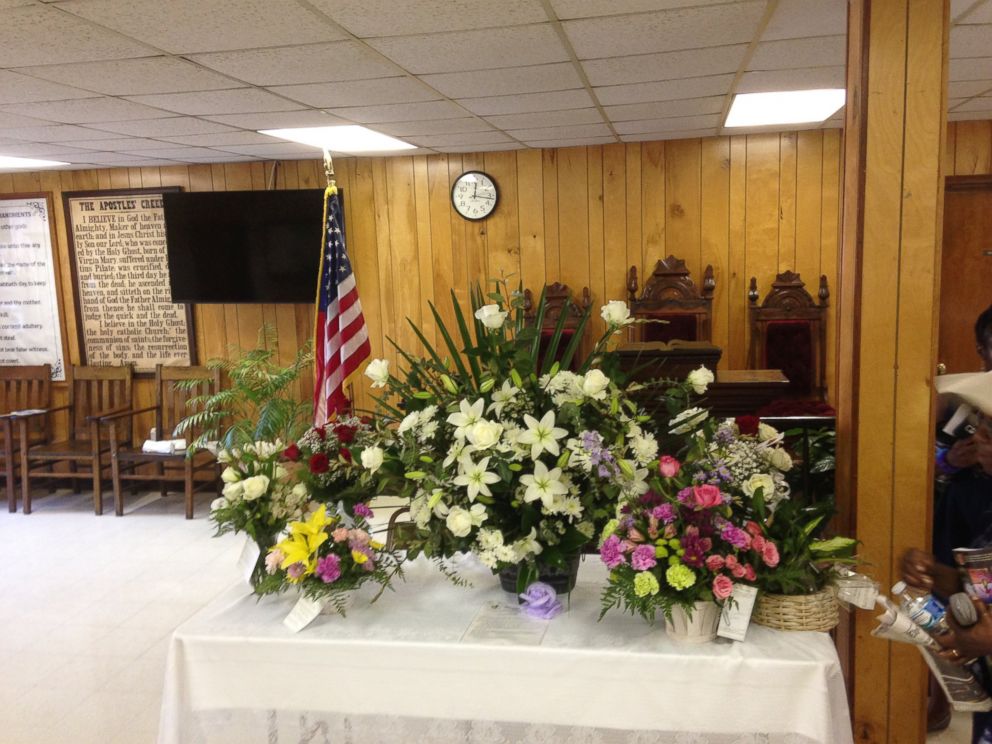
(749, 205)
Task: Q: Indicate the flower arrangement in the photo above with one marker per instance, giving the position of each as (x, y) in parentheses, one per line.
(679, 543)
(326, 558)
(746, 456)
(516, 460)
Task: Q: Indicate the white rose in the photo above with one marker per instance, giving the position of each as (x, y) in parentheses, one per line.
(766, 432)
(594, 384)
(218, 503)
(616, 313)
(372, 458)
(233, 491)
(484, 434)
(779, 458)
(459, 521)
(763, 481)
(255, 486)
(491, 316)
(700, 379)
(230, 475)
(409, 421)
(378, 371)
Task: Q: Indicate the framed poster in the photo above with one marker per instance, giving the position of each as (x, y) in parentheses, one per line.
(30, 329)
(121, 275)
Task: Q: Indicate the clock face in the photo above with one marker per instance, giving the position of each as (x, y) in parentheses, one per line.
(474, 195)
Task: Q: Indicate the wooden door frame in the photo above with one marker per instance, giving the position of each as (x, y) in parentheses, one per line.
(968, 183)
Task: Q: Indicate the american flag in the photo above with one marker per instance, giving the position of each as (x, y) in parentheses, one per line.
(341, 337)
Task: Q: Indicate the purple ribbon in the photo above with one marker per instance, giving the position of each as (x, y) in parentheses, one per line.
(541, 601)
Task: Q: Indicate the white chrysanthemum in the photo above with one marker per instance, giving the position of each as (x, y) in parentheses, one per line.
(409, 422)
(645, 448)
(427, 431)
(489, 538)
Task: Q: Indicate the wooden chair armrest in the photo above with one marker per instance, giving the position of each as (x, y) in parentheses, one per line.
(101, 415)
(124, 414)
(41, 412)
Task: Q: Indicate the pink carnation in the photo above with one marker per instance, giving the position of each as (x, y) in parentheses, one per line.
(758, 543)
(272, 561)
(329, 569)
(714, 562)
(611, 553)
(749, 574)
(738, 571)
(722, 587)
(340, 534)
(668, 466)
(643, 558)
(707, 497)
(296, 570)
(753, 527)
(731, 561)
(358, 537)
(770, 554)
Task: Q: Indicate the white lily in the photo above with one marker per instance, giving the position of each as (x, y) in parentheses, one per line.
(475, 477)
(503, 396)
(544, 484)
(467, 416)
(543, 435)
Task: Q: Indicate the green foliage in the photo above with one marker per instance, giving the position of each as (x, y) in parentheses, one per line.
(259, 404)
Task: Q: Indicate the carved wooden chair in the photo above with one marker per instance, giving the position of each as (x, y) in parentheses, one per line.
(94, 392)
(789, 332)
(21, 388)
(558, 301)
(669, 294)
(130, 464)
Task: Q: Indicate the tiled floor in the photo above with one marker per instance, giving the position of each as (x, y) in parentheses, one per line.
(87, 605)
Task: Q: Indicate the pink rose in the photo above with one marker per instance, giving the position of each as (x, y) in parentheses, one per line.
(714, 562)
(753, 527)
(707, 497)
(340, 534)
(722, 587)
(749, 574)
(758, 543)
(668, 466)
(738, 571)
(770, 554)
(731, 561)
(359, 537)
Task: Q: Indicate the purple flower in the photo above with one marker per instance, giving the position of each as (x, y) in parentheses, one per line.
(611, 551)
(643, 558)
(362, 510)
(735, 536)
(686, 497)
(329, 569)
(695, 548)
(724, 436)
(540, 600)
(296, 570)
(650, 498)
(664, 512)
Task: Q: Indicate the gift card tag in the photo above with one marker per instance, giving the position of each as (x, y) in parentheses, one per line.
(736, 615)
(503, 624)
(248, 559)
(302, 614)
(857, 590)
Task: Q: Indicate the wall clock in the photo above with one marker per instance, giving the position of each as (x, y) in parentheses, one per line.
(474, 195)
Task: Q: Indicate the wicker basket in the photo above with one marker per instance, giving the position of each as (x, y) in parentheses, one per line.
(799, 612)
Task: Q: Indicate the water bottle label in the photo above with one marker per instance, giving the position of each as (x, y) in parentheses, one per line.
(929, 614)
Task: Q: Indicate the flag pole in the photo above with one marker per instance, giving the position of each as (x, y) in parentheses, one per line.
(329, 168)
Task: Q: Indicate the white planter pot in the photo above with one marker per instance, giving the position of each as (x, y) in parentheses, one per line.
(700, 628)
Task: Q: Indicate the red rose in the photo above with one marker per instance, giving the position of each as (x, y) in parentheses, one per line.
(292, 452)
(344, 454)
(319, 463)
(747, 425)
(345, 433)
(320, 432)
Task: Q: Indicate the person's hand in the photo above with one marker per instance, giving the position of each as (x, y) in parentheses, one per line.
(963, 454)
(918, 569)
(964, 644)
(983, 449)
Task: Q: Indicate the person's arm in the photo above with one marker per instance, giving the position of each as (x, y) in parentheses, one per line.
(921, 570)
(971, 642)
(962, 454)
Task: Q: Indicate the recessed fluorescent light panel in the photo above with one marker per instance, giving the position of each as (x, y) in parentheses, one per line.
(785, 107)
(9, 161)
(348, 139)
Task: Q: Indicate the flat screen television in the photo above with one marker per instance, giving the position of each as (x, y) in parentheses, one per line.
(244, 246)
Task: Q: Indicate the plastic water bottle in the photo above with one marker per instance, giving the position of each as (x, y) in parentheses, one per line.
(922, 607)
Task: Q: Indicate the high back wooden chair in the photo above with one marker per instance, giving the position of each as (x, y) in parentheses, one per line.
(93, 392)
(789, 332)
(558, 301)
(127, 462)
(21, 389)
(670, 295)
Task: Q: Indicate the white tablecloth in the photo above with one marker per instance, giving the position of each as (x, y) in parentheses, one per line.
(416, 667)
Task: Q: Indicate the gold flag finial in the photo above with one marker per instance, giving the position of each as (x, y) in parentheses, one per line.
(328, 168)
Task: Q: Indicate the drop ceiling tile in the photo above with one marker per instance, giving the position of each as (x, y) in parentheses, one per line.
(665, 90)
(460, 51)
(222, 138)
(662, 109)
(222, 157)
(567, 9)
(969, 115)
(58, 133)
(799, 19)
(554, 133)
(968, 88)
(977, 68)
(400, 112)
(15, 3)
(642, 68)
(366, 18)
(41, 150)
(467, 138)
(581, 141)
(84, 110)
(982, 103)
(952, 102)
(669, 135)
(822, 51)
(10, 121)
(648, 33)
(674, 124)
(16, 88)
(130, 162)
(109, 158)
(275, 149)
(122, 144)
(313, 63)
(981, 14)
(442, 126)
(162, 127)
(971, 41)
(189, 26)
(131, 77)
(546, 119)
(958, 7)
(27, 33)
(481, 148)
(276, 120)
(177, 152)
(505, 81)
(526, 103)
(237, 101)
(358, 92)
(795, 79)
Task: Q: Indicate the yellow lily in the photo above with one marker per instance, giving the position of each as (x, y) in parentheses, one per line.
(304, 539)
